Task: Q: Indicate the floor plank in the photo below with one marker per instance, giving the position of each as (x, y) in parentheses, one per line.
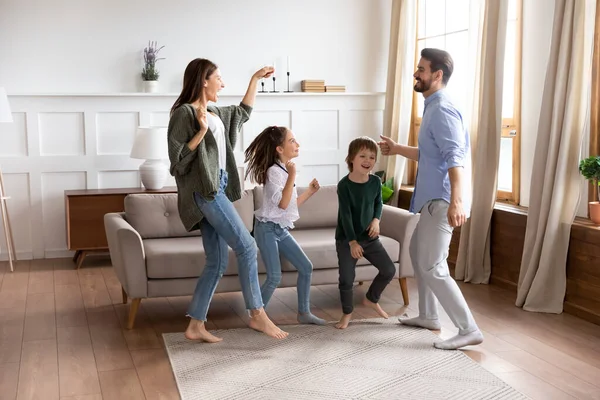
(76, 363)
(38, 374)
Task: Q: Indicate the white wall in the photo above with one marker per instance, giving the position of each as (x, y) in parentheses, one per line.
(64, 46)
(72, 70)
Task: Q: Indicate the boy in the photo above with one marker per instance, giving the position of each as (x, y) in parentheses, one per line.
(357, 232)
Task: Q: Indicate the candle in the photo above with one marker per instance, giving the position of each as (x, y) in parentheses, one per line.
(288, 64)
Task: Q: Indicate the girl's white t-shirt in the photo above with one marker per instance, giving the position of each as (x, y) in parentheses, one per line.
(277, 176)
(218, 129)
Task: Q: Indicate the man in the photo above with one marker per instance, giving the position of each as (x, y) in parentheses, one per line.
(441, 196)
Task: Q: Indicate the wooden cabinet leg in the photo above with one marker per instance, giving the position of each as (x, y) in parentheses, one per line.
(404, 289)
(81, 257)
(133, 309)
(124, 295)
(76, 256)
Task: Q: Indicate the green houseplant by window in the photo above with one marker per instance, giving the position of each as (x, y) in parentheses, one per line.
(590, 169)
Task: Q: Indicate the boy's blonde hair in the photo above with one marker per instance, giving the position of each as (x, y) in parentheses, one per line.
(355, 146)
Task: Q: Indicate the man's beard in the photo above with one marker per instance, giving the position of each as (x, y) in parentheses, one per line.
(422, 86)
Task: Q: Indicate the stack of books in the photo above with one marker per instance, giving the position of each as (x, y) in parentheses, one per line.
(335, 88)
(314, 86)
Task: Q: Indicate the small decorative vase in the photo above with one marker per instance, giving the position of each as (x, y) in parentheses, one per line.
(150, 86)
(595, 212)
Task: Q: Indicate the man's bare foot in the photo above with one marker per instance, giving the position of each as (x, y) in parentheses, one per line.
(376, 307)
(260, 322)
(196, 330)
(344, 321)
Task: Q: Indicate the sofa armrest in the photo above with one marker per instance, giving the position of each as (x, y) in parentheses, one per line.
(400, 224)
(127, 255)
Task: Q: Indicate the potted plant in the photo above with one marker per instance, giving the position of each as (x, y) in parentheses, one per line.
(590, 169)
(149, 73)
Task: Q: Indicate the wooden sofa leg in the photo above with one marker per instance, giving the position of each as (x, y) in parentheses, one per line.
(133, 309)
(124, 295)
(404, 289)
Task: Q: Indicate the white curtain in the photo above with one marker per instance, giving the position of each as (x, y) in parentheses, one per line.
(555, 181)
(473, 263)
(399, 90)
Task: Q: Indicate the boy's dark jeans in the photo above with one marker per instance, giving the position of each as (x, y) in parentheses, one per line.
(374, 252)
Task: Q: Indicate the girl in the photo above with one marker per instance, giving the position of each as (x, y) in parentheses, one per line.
(200, 140)
(269, 159)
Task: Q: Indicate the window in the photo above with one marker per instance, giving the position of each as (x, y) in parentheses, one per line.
(509, 168)
(445, 24)
(595, 106)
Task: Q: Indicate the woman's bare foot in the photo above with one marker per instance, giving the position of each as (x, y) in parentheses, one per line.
(344, 321)
(196, 330)
(259, 321)
(376, 307)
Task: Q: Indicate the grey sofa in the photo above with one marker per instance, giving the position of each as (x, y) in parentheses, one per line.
(154, 256)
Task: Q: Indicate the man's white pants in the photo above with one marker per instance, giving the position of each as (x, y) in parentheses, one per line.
(429, 248)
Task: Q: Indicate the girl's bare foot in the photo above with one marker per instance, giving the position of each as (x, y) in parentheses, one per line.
(376, 307)
(260, 322)
(196, 330)
(344, 321)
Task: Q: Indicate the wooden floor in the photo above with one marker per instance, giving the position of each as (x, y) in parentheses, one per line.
(62, 335)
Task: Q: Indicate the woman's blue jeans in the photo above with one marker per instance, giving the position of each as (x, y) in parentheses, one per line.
(272, 240)
(221, 228)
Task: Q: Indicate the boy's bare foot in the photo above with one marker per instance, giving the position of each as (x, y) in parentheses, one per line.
(260, 322)
(344, 321)
(376, 307)
(196, 330)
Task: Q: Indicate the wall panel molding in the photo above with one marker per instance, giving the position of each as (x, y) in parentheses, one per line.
(81, 141)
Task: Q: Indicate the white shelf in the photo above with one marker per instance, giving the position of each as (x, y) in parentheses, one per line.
(142, 94)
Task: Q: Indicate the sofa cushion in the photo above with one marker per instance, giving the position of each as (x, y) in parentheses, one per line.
(319, 246)
(245, 208)
(155, 215)
(320, 211)
(182, 258)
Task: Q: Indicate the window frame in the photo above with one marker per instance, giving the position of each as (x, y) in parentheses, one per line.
(595, 104)
(508, 124)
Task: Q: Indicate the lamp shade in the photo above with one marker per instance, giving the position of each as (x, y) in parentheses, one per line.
(150, 143)
(5, 114)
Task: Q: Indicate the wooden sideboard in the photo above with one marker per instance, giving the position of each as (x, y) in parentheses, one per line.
(84, 212)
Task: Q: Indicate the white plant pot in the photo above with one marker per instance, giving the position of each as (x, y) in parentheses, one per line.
(153, 174)
(150, 86)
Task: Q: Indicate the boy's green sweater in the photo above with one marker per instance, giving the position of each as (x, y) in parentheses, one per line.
(358, 204)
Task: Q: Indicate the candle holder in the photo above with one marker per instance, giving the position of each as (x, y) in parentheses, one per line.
(262, 84)
(274, 89)
(288, 84)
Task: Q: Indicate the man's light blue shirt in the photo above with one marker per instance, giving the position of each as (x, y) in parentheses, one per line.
(443, 144)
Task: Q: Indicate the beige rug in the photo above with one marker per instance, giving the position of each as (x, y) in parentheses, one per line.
(372, 359)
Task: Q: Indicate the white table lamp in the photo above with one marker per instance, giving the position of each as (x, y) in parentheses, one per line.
(6, 116)
(151, 145)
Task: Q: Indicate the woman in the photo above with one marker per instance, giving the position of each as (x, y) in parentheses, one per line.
(201, 140)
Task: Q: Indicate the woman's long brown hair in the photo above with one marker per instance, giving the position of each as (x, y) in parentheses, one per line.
(262, 153)
(196, 72)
